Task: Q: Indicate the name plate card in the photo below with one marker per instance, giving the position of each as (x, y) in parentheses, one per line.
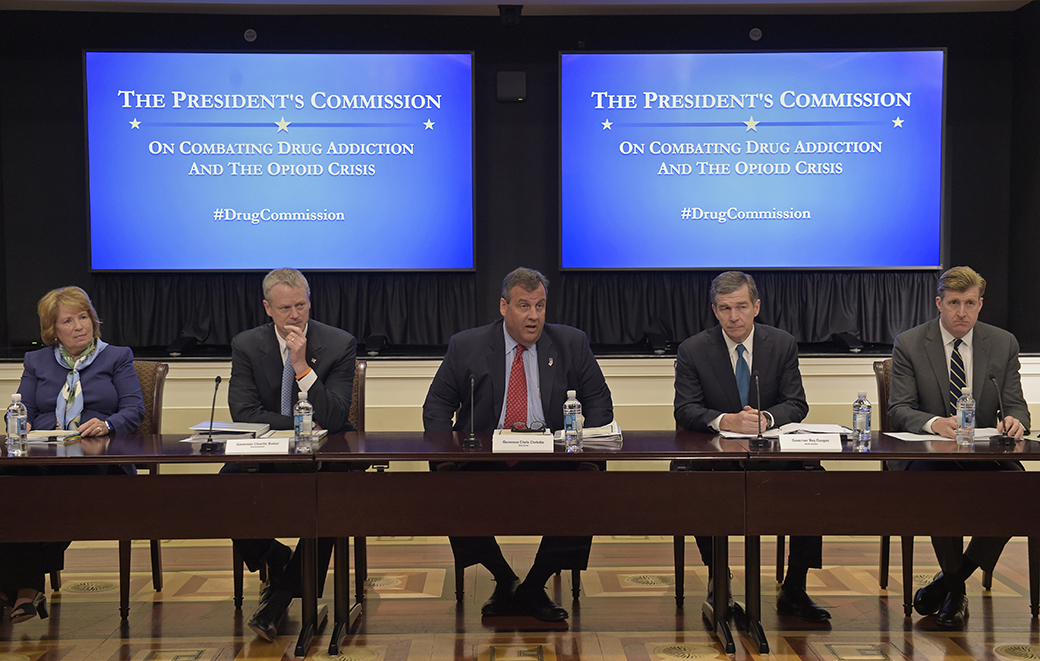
(810, 442)
(257, 446)
(511, 441)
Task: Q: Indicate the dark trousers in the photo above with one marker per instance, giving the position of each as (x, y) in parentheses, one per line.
(25, 565)
(554, 553)
(983, 551)
(805, 551)
(255, 552)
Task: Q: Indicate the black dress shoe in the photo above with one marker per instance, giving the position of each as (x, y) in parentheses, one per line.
(928, 599)
(501, 601)
(266, 618)
(953, 612)
(800, 605)
(538, 605)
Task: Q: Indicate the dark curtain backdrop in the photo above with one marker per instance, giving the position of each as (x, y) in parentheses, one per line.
(147, 310)
(614, 308)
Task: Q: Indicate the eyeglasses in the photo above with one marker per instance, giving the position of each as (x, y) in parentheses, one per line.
(522, 426)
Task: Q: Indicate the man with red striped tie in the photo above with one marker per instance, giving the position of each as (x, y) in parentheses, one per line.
(521, 369)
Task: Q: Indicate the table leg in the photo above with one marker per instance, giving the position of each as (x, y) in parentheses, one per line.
(717, 614)
(309, 599)
(346, 614)
(752, 609)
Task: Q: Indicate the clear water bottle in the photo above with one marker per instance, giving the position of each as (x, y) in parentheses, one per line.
(572, 422)
(966, 418)
(861, 422)
(303, 421)
(17, 427)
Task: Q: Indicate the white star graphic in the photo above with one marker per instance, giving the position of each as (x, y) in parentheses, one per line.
(897, 123)
(428, 124)
(607, 124)
(751, 125)
(282, 125)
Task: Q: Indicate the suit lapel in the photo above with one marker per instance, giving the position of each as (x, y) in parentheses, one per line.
(547, 364)
(979, 361)
(933, 347)
(271, 361)
(496, 367)
(723, 369)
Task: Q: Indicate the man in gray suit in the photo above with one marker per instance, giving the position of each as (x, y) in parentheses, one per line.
(930, 365)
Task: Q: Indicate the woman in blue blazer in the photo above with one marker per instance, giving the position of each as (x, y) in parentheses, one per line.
(77, 382)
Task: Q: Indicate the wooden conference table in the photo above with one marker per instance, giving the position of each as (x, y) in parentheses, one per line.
(307, 503)
(124, 507)
(898, 503)
(526, 502)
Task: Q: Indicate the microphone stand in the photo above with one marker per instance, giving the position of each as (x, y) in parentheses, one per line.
(210, 445)
(471, 442)
(760, 440)
(1003, 439)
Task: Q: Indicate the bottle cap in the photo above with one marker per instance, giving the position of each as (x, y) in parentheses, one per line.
(965, 390)
(572, 394)
(863, 394)
(16, 397)
(303, 394)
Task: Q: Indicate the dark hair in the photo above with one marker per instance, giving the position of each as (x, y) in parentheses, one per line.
(528, 279)
(731, 281)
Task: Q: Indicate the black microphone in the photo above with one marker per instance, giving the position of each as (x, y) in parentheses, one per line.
(471, 442)
(758, 405)
(210, 445)
(1003, 438)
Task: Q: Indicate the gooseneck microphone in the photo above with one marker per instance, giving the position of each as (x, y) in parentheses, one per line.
(471, 442)
(1005, 437)
(758, 405)
(210, 445)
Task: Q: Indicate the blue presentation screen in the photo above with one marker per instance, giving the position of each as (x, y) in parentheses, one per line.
(227, 161)
(752, 160)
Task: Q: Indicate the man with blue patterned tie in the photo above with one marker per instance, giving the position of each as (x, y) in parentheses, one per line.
(714, 391)
(270, 366)
(930, 365)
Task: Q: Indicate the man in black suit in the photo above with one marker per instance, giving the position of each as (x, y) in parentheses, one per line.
(930, 365)
(270, 366)
(714, 392)
(523, 369)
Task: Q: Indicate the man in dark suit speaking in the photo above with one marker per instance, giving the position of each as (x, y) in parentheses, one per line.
(523, 369)
(714, 391)
(270, 365)
(930, 365)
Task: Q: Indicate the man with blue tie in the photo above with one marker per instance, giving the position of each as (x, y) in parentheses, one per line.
(930, 365)
(270, 366)
(714, 391)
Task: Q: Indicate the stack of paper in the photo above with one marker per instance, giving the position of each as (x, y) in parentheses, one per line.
(607, 437)
(225, 431)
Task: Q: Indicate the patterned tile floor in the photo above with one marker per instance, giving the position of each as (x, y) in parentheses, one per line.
(626, 611)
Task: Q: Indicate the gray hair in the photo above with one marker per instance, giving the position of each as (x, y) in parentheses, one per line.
(290, 277)
(731, 281)
(528, 279)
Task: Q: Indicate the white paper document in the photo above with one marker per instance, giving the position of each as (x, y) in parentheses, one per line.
(981, 434)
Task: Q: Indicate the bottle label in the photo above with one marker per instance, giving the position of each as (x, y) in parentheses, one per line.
(304, 424)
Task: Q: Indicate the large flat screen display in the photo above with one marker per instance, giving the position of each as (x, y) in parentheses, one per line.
(236, 161)
(752, 160)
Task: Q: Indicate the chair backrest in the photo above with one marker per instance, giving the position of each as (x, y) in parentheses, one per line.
(357, 400)
(883, 376)
(152, 376)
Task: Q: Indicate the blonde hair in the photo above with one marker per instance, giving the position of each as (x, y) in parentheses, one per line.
(961, 279)
(285, 276)
(74, 299)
